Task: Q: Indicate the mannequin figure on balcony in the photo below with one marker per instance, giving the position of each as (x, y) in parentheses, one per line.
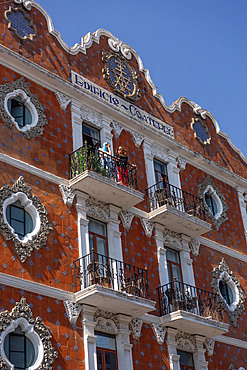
(122, 165)
(105, 154)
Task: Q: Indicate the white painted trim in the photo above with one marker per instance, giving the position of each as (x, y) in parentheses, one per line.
(33, 170)
(231, 341)
(33, 287)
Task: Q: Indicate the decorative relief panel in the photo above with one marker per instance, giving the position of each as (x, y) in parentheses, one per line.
(136, 327)
(147, 226)
(185, 341)
(38, 239)
(172, 239)
(121, 76)
(68, 194)
(221, 215)
(22, 311)
(126, 217)
(159, 332)
(97, 208)
(20, 23)
(73, 311)
(63, 100)
(90, 116)
(19, 86)
(137, 138)
(159, 152)
(117, 128)
(223, 273)
(209, 344)
(194, 246)
(106, 321)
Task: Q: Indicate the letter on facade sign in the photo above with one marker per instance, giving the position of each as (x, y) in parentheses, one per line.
(104, 96)
(86, 85)
(131, 111)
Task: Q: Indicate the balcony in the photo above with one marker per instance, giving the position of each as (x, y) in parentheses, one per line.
(104, 177)
(112, 285)
(185, 306)
(176, 209)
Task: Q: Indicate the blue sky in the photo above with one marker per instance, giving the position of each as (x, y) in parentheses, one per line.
(193, 48)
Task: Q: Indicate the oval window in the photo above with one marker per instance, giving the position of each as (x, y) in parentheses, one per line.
(19, 111)
(211, 203)
(226, 292)
(19, 219)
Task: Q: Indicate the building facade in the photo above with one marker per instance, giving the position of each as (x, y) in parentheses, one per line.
(123, 221)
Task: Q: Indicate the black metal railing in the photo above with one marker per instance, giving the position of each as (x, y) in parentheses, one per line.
(95, 268)
(164, 193)
(94, 159)
(176, 296)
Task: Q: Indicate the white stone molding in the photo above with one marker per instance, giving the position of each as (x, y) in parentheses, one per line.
(73, 311)
(26, 3)
(106, 321)
(159, 332)
(98, 209)
(181, 162)
(90, 116)
(194, 246)
(117, 45)
(209, 344)
(117, 128)
(68, 194)
(137, 138)
(160, 153)
(147, 226)
(126, 217)
(185, 341)
(41, 227)
(172, 239)
(199, 111)
(63, 100)
(136, 327)
(223, 273)
(35, 330)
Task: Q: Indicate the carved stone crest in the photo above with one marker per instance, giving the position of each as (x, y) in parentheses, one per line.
(106, 321)
(159, 332)
(147, 226)
(68, 194)
(136, 327)
(185, 341)
(22, 310)
(121, 76)
(97, 208)
(223, 273)
(126, 217)
(24, 250)
(63, 100)
(20, 84)
(73, 311)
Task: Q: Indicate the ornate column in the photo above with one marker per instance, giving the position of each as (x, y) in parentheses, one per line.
(89, 337)
(199, 356)
(105, 132)
(186, 262)
(82, 225)
(76, 124)
(172, 349)
(173, 170)
(124, 347)
(149, 162)
(161, 253)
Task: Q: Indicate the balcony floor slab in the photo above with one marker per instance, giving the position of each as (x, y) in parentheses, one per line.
(178, 221)
(114, 301)
(194, 324)
(106, 190)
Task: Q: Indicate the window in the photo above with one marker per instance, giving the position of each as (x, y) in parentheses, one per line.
(106, 351)
(19, 219)
(91, 136)
(19, 349)
(186, 360)
(173, 265)
(226, 292)
(98, 237)
(19, 112)
(211, 203)
(160, 171)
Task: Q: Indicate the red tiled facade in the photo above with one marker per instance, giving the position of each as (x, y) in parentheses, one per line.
(46, 279)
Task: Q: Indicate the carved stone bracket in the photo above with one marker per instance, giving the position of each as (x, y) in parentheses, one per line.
(194, 246)
(98, 209)
(138, 138)
(185, 341)
(26, 3)
(23, 310)
(63, 100)
(159, 332)
(209, 344)
(21, 85)
(73, 311)
(90, 116)
(106, 321)
(117, 45)
(126, 217)
(147, 226)
(117, 128)
(223, 273)
(172, 239)
(68, 194)
(181, 162)
(136, 327)
(24, 249)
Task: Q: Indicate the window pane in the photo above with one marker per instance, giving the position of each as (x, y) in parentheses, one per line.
(101, 246)
(159, 166)
(28, 117)
(17, 342)
(172, 255)
(97, 227)
(99, 359)
(29, 223)
(29, 352)
(17, 213)
(110, 361)
(18, 227)
(176, 272)
(91, 243)
(186, 358)
(105, 341)
(17, 359)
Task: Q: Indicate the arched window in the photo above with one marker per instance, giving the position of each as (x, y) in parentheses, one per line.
(226, 292)
(19, 349)
(19, 219)
(19, 111)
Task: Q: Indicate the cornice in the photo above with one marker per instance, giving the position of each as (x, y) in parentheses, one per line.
(33, 287)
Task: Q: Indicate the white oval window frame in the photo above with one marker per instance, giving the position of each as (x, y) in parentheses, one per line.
(27, 102)
(224, 276)
(212, 192)
(29, 208)
(31, 334)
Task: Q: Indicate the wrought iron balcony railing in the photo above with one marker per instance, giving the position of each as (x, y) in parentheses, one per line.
(95, 268)
(93, 159)
(176, 296)
(164, 193)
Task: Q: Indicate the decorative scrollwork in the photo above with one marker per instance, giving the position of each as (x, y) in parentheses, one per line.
(147, 226)
(194, 246)
(136, 327)
(185, 341)
(62, 99)
(117, 128)
(138, 138)
(68, 195)
(209, 344)
(106, 321)
(126, 217)
(97, 208)
(159, 332)
(73, 311)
